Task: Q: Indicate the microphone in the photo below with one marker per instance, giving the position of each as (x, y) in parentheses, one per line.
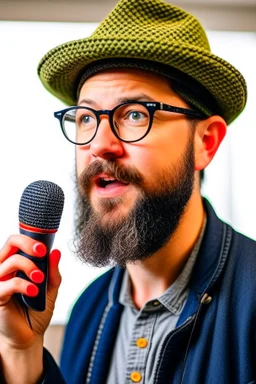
(40, 211)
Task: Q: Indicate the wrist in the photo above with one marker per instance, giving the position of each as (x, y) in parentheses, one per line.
(26, 363)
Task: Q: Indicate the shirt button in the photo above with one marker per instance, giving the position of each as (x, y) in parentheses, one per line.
(155, 303)
(135, 377)
(141, 343)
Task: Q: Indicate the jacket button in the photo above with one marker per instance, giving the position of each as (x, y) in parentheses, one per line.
(206, 299)
(141, 343)
(135, 377)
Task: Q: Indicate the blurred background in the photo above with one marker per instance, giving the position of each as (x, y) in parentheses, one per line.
(32, 146)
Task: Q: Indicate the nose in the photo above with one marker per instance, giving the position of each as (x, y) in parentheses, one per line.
(105, 144)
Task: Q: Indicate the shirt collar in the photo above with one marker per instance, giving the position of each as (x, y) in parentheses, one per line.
(174, 297)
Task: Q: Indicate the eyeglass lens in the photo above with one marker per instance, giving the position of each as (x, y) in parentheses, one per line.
(130, 122)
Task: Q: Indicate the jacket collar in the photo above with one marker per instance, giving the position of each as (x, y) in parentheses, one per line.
(210, 261)
(212, 254)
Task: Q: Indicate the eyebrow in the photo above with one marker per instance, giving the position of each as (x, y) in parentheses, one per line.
(120, 100)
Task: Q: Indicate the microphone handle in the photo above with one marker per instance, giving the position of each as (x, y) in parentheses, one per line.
(38, 302)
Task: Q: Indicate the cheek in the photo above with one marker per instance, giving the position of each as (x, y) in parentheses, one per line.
(152, 158)
(149, 160)
(155, 159)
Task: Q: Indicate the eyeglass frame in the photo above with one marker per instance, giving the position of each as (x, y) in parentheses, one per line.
(151, 107)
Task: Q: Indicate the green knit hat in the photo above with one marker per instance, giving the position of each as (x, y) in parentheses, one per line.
(161, 36)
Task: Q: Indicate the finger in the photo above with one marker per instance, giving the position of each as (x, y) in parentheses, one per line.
(24, 243)
(16, 285)
(7, 277)
(54, 278)
(20, 263)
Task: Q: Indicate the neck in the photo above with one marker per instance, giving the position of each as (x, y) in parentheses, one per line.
(151, 277)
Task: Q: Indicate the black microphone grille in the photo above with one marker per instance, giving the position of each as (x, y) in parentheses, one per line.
(41, 205)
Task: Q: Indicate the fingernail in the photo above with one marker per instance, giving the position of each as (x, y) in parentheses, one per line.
(55, 258)
(39, 249)
(36, 276)
(56, 253)
(32, 290)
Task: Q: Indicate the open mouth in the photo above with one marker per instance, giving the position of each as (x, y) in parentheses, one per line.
(109, 182)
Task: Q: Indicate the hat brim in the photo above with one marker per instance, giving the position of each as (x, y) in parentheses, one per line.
(61, 68)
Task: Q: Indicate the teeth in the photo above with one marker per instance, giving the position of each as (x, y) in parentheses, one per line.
(105, 180)
(108, 178)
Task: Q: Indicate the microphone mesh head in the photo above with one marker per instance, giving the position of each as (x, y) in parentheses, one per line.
(41, 205)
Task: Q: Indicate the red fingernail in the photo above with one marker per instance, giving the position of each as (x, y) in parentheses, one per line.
(39, 249)
(32, 290)
(36, 276)
(56, 253)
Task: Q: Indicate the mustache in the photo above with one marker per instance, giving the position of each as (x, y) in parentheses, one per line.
(120, 172)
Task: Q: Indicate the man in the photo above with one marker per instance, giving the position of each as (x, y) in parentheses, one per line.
(149, 108)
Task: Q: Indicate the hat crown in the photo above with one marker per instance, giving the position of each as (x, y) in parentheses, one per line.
(153, 21)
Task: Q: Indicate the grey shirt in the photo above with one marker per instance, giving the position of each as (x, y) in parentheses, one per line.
(141, 332)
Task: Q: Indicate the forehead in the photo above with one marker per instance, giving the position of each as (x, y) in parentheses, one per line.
(126, 82)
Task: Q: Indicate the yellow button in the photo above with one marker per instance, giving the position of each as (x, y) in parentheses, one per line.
(136, 377)
(141, 343)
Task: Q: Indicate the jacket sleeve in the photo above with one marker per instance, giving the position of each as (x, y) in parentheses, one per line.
(52, 373)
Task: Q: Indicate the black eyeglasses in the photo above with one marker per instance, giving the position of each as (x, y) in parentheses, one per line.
(130, 121)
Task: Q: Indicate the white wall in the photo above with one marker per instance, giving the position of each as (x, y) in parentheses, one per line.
(230, 179)
(32, 146)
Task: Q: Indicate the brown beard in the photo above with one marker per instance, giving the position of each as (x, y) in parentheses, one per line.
(149, 225)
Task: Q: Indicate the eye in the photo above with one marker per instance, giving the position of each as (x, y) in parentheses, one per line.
(131, 115)
(87, 119)
(136, 116)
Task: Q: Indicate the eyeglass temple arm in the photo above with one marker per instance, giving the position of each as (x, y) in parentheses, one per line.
(184, 111)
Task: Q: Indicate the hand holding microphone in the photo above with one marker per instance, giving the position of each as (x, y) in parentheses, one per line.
(21, 346)
(40, 211)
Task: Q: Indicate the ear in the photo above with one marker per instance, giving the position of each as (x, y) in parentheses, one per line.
(208, 136)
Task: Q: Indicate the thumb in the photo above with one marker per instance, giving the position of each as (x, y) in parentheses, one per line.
(54, 278)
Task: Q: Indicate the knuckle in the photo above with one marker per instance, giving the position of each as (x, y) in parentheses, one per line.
(10, 247)
(8, 288)
(10, 239)
(12, 242)
(18, 284)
